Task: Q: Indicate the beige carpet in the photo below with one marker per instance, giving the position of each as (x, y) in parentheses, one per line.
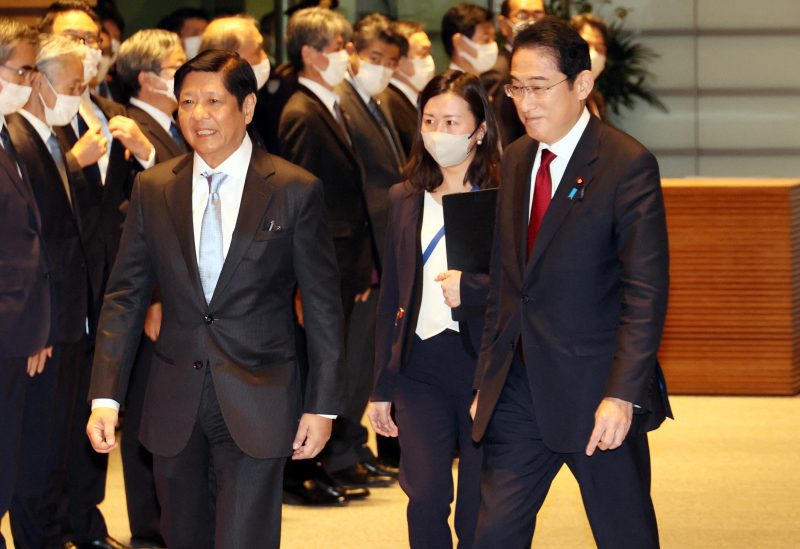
(726, 474)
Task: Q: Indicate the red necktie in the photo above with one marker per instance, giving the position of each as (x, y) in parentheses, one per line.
(542, 191)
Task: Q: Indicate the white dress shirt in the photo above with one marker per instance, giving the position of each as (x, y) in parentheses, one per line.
(42, 128)
(407, 90)
(563, 149)
(434, 314)
(325, 95)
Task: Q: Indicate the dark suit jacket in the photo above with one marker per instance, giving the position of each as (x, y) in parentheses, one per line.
(505, 112)
(589, 306)
(25, 288)
(271, 99)
(162, 141)
(404, 115)
(382, 168)
(311, 138)
(103, 207)
(61, 231)
(401, 288)
(246, 333)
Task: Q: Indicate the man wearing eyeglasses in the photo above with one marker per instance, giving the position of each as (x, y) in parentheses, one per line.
(568, 370)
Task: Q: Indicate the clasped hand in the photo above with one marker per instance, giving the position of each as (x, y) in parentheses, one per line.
(451, 287)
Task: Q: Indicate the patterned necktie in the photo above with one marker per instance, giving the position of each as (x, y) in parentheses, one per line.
(339, 116)
(377, 114)
(177, 137)
(542, 192)
(55, 152)
(9, 148)
(211, 257)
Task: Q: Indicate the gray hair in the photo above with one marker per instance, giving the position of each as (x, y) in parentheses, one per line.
(12, 33)
(315, 27)
(224, 33)
(144, 51)
(53, 48)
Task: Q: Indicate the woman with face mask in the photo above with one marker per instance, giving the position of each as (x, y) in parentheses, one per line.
(425, 362)
(595, 32)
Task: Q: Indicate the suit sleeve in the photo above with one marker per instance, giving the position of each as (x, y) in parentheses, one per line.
(126, 300)
(294, 138)
(641, 234)
(318, 279)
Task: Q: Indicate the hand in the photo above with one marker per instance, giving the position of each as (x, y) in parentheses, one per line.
(100, 429)
(474, 406)
(90, 147)
(36, 361)
(451, 287)
(312, 434)
(612, 420)
(152, 322)
(380, 416)
(363, 297)
(127, 131)
(298, 308)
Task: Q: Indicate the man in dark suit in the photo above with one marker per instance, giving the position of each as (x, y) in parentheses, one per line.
(568, 371)
(50, 403)
(25, 284)
(314, 133)
(224, 392)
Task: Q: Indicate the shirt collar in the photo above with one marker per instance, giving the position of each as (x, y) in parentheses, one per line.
(42, 128)
(365, 97)
(564, 147)
(235, 166)
(407, 90)
(325, 95)
(164, 120)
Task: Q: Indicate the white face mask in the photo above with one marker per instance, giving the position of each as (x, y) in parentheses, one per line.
(598, 62)
(338, 61)
(373, 78)
(424, 69)
(103, 68)
(168, 84)
(448, 149)
(65, 109)
(486, 55)
(261, 71)
(114, 48)
(13, 97)
(191, 45)
(91, 60)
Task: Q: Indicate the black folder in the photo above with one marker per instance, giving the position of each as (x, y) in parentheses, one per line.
(468, 228)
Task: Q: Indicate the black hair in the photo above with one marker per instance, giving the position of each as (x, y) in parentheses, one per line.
(462, 19)
(422, 171)
(237, 74)
(569, 50)
(107, 11)
(63, 6)
(376, 26)
(174, 21)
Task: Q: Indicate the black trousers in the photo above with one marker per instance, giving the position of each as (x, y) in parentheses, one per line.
(212, 494)
(518, 469)
(432, 400)
(13, 385)
(144, 512)
(37, 518)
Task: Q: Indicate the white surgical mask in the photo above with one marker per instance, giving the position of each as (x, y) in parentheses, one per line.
(261, 71)
(338, 62)
(424, 69)
(486, 55)
(446, 148)
(169, 84)
(114, 48)
(103, 67)
(191, 45)
(91, 60)
(373, 78)
(598, 62)
(65, 109)
(13, 97)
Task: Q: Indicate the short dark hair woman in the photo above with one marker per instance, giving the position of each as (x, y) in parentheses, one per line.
(425, 361)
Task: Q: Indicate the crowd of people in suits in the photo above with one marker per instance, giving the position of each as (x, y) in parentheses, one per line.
(356, 139)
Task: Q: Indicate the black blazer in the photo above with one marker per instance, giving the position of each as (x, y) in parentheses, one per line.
(589, 306)
(382, 168)
(246, 334)
(25, 286)
(310, 137)
(162, 141)
(505, 112)
(401, 292)
(61, 231)
(404, 115)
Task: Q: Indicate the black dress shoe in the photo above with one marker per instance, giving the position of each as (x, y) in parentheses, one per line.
(358, 476)
(313, 494)
(352, 493)
(107, 543)
(374, 467)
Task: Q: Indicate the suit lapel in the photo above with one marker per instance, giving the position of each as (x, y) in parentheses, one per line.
(522, 192)
(579, 166)
(327, 117)
(255, 199)
(178, 195)
(409, 242)
(154, 131)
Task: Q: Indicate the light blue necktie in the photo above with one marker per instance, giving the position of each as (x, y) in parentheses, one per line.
(211, 259)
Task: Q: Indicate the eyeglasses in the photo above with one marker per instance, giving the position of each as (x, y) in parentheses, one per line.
(22, 71)
(519, 92)
(87, 39)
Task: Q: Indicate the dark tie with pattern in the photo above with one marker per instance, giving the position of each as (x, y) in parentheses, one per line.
(9, 148)
(177, 137)
(339, 116)
(542, 192)
(377, 114)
